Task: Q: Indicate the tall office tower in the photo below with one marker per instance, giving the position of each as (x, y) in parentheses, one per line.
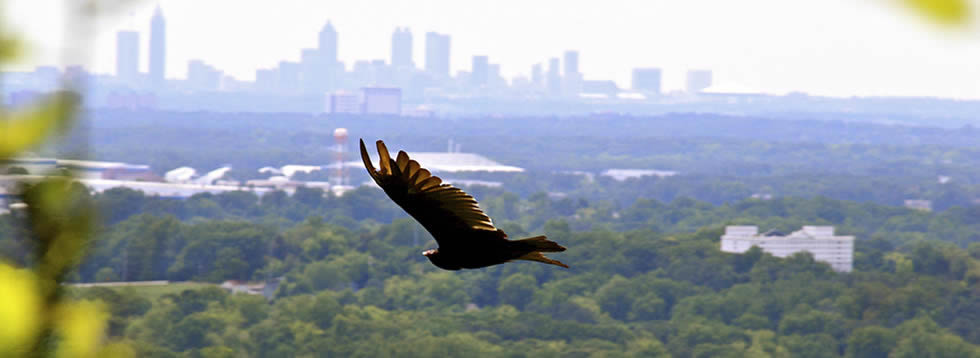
(481, 71)
(572, 81)
(494, 78)
(437, 54)
(77, 74)
(328, 67)
(312, 70)
(381, 73)
(289, 76)
(128, 56)
(202, 77)
(158, 49)
(554, 77)
(267, 80)
(646, 80)
(537, 76)
(571, 63)
(698, 80)
(401, 49)
(328, 44)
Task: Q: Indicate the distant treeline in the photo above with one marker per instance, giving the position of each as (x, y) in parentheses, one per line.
(684, 142)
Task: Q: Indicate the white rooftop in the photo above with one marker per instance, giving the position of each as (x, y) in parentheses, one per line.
(459, 162)
(623, 174)
(162, 189)
(91, 164)
(29, 160)
(291, 169)
(806, 232)
(731, 88)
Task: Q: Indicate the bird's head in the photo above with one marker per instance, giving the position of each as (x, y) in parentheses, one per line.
(438, 260)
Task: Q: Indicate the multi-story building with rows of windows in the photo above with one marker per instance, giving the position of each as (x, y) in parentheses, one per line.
(820, 241)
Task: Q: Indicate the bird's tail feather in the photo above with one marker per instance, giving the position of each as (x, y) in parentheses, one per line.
(537, 256)
(540, 243)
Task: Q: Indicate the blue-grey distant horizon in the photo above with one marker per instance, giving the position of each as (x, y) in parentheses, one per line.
(835, 47)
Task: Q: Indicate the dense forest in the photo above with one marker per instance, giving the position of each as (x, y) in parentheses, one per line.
(646, 279)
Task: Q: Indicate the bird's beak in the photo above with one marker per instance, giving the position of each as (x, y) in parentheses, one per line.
(427, 252)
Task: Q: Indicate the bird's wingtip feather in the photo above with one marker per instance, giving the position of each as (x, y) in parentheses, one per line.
(385, 164)
(367, 159)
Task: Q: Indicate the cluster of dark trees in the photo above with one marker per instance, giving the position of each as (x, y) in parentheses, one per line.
(646, 279)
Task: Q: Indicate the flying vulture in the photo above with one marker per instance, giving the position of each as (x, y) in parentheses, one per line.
(465, 235)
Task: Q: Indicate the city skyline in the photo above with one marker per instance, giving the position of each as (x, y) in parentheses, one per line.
(850, 58)
(319, 71)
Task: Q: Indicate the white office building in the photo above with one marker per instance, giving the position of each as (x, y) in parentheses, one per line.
(820, 241)
(343, 102)
(382, 100)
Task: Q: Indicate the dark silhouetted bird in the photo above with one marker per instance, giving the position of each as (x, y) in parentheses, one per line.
(466, 236)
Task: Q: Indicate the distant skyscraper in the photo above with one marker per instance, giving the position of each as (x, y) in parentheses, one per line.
(382, 100)
(698, 80)
(128, 56)
(321, 66)
(606, 87)
(572, 81)
(289, 76)
(267, 79)
(158, 49)
(493, 75)
(554, 76)
(202, 77)
(537, 76)
(381, 73)
(312, 69)
(646, 80)
(76, 74)
(328, 44)
(481, 71)
(571, 63)
(437, 54)
(401, 49)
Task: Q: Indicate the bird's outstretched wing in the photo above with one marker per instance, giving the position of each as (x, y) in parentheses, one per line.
(447, 212)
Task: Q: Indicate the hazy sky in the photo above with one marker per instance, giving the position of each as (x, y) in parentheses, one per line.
(828, 47)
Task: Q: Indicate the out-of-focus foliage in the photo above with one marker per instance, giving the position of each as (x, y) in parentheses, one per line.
(10, 47)
(24, 128)
(944, 12)
(54, 230)
(21, 303)
(40, 321)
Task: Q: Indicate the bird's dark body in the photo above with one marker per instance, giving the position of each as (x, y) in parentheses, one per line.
(472, 249)
(476, 256)
(467, 237)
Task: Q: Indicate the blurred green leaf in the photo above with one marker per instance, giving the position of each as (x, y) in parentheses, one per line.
(101, 7)
(10, 48)
(26, 128)
(61, 215)
(946, 12)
